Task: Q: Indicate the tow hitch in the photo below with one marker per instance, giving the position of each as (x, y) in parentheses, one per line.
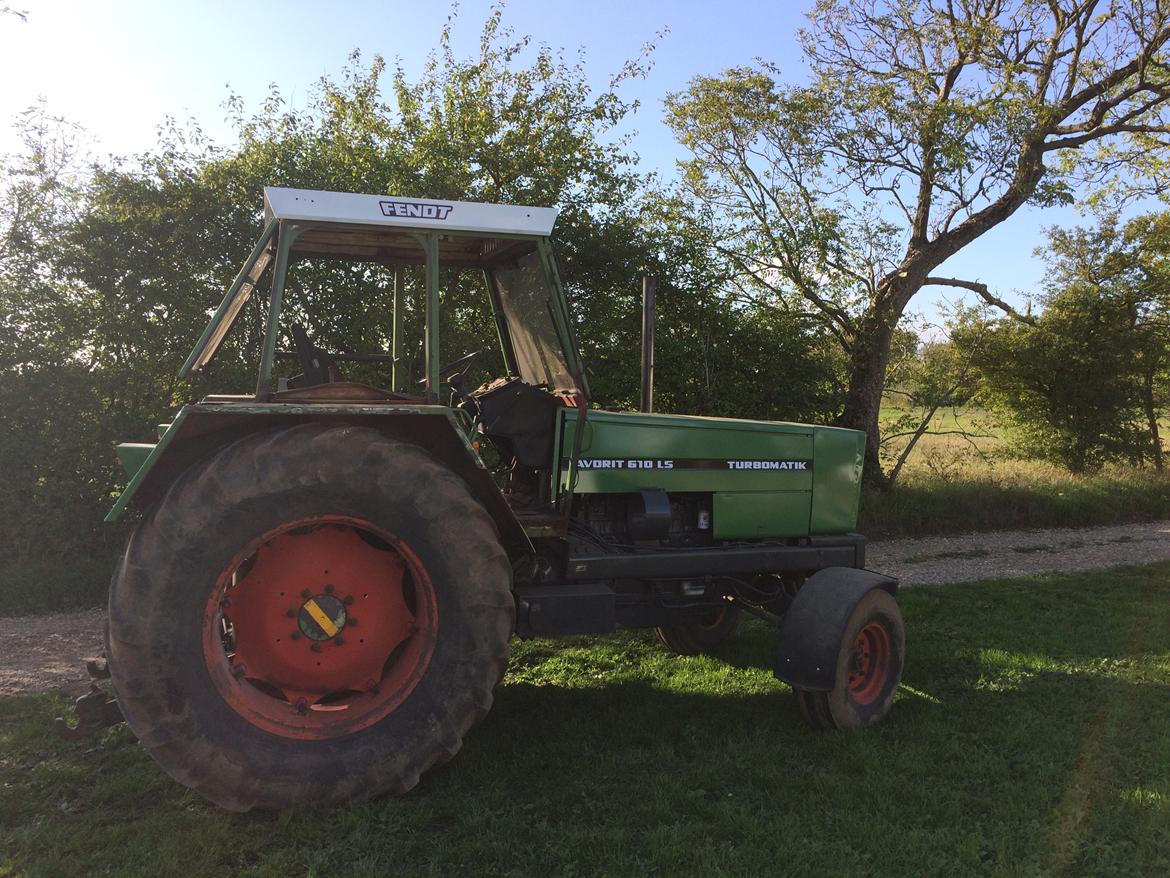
(96, 710)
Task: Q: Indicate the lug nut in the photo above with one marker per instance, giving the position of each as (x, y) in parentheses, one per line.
(225, 603)
(239, 670)
(296, 635)
(306, 594)
(348, 600)
(292, 614)
(328, 589)
(302, 705)
(339, 640)
(351, 622)
(372, 686)
(316, 647)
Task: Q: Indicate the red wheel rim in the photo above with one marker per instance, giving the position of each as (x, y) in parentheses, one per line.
(869, 663)
(320, 628)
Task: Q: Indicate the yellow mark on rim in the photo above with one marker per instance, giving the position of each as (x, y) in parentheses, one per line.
(320, 618)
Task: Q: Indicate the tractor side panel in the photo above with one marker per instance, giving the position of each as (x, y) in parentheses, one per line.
(839, 455)
(760, 474)
(750, 514)
(766, 478)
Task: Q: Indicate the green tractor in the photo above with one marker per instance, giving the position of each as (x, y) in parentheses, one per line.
(318, 596)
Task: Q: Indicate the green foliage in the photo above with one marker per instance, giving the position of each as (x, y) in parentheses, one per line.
(54, 584)
(108, 272)
(1086, 382)
(715, 354)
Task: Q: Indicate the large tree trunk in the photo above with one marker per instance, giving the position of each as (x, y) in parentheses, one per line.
(867, 381)
(870, 352)
(1152, 417)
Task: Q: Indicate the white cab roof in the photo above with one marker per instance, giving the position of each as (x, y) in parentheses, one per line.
(310, 205)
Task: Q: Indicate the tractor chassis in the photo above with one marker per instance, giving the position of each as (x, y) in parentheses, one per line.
(599, 592)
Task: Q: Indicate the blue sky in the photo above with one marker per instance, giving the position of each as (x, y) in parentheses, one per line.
(118, 68)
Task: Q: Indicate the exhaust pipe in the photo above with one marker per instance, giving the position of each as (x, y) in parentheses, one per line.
(647, 401)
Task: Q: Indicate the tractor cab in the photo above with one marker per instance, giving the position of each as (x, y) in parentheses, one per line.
(449, 291)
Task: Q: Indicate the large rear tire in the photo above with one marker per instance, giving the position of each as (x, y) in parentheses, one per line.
(718, 627)
(869, 668)
(234, 638)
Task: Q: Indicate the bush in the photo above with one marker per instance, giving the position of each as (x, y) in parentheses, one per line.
(52, 585)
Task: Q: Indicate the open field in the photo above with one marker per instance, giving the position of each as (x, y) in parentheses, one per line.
(1009, 494)
(950, 485)
(1029, 739)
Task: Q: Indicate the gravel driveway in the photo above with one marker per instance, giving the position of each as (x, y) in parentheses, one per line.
(47, 653)
(1007, 553)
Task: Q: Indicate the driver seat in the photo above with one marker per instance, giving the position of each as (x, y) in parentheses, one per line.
(316, 365)
(322, 382)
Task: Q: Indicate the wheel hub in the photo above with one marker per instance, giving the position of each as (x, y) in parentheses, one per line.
(288, 615)
(322, 617)
(869, 663)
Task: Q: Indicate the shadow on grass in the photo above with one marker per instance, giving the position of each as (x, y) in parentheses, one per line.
(1029, 738)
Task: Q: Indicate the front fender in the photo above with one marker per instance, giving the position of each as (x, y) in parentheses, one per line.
(810, 635)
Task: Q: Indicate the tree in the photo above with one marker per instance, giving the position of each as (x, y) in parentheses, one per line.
(924, 125)
(717, 354)
(1087, 382)
(926, 378)
(107, 276)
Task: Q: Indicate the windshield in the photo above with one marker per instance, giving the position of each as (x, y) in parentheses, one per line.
(237, 296)
(522, 292)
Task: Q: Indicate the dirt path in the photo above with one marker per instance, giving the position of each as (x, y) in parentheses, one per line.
(1004, 554)
(47, 653)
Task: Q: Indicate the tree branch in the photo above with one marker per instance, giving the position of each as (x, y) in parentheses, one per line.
(983, 292)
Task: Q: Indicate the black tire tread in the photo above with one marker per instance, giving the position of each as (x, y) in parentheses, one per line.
(236, 476)
(836, 709)
(695, 639)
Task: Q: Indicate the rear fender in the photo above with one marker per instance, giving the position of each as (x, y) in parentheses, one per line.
(810, 635)
(201, 429)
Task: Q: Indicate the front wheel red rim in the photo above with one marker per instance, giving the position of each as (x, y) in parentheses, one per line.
(320, 628)
(869, 663)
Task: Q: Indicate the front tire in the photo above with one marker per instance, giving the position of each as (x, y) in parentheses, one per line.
(313, 615)
(870, 660)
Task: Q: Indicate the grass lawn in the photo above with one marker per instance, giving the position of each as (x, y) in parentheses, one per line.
(1030, 738)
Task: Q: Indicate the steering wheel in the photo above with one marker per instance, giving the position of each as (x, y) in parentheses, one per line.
(462, 365)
